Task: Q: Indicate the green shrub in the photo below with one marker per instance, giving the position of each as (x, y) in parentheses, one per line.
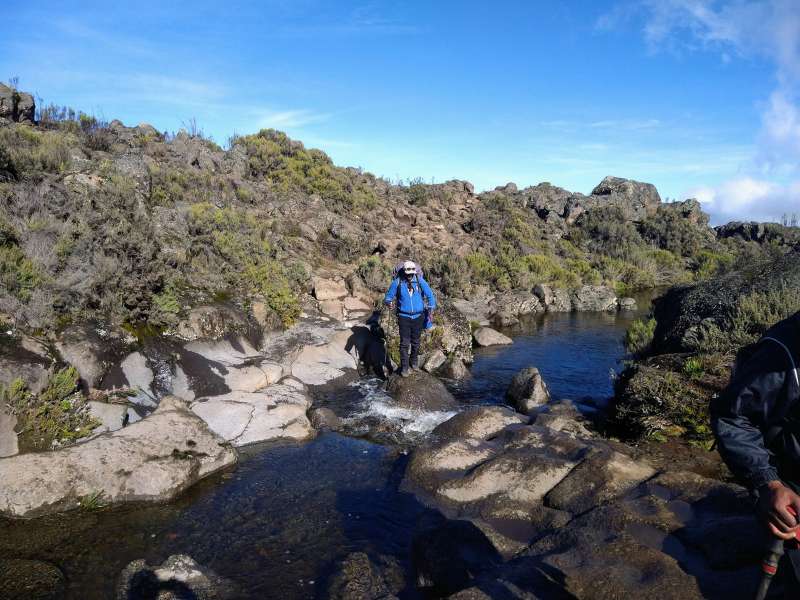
(57, 415)
(32, 152)
(640, 335)
(693, 367)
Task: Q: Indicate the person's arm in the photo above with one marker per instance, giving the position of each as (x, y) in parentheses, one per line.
(391, 293)
(752, 403)
(426, 289)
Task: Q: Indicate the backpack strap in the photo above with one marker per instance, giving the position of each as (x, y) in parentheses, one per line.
(791, 359)
(790, 421)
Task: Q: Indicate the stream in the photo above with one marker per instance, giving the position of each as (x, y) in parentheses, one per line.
(278, 524)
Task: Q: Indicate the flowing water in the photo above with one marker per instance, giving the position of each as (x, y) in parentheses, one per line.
(278, 524)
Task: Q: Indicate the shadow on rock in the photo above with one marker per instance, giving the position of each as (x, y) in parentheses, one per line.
(369, 343)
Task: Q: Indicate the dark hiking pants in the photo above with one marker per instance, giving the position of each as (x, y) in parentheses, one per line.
(410, 332)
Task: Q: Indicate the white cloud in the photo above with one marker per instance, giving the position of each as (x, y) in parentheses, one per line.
(748, 199)
(763, 29)
(290, 118)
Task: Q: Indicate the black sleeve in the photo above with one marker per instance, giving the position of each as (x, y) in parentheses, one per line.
(753, 402)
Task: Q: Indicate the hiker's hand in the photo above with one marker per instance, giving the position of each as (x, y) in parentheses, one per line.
(774, 505)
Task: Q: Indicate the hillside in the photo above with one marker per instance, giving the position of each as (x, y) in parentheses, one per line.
(127, 225)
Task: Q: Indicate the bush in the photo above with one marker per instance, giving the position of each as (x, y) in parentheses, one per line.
(32, 153)
(640, 335)
(57, 415)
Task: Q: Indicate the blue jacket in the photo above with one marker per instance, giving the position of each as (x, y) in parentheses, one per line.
(756, 420)
(410, 303)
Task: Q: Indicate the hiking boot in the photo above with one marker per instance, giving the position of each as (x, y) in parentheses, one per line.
(415, 367)
(405, 373)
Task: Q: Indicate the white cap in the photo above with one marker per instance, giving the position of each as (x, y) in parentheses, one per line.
(409, 267)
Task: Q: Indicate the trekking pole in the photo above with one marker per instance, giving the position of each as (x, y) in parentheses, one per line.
(769, 564)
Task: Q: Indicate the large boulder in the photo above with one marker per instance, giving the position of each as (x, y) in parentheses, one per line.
(528, 391)
(328, 289)
(278, 412)
(486, 336)
(178, 578)
(637, 200)
(421, 391)
(554, 204)
(16, 106)
(152, 460)
(595, 298)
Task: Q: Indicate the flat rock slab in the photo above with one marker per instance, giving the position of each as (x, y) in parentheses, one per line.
(319, 364)
(111, 416)
(152, 460)
(421, 391)
(279, 412)
(486, 336)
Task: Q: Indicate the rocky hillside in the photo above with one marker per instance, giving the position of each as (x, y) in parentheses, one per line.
(128, 225)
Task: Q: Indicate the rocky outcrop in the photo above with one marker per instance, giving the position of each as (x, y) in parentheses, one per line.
(421, 391)
(152, 460)
(328, 289)
(637, 200)
(241, 418)
(177, 578)
(528, 391)
(486, 336)
(16, 106)
(214, 322)
(759, 233)
(554, 204)
(595, 298)
(507, 309)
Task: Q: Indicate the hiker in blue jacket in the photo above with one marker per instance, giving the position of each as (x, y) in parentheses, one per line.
(410, 293)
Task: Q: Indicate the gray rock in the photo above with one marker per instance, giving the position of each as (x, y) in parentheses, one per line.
(111, 416)
(434, 360)
(83, 348)
(626, 304)
(637, 200)
(328, 289)
(421, 391)
(595, 298)
(278, 412)
(454, 368)
(553, 299)
(16, 106)
(177, 578)
(528, 391)
(152, 460)
(213, 322)
(485, 336)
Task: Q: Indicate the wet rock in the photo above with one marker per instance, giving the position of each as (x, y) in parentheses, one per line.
(421, 391)
(553, 299)
(178, 578)
(152, 460)
(30, 580)
(9, 445)
(485, 336)
(626, 304)
(328, 289)
(478, 423)
(359, 578)
(528, 391)
(564, 416)
(516, 304)
(278, 412)
(454, 368)
(324, 419)
(505, 318)
(596, 298)
(434, 360)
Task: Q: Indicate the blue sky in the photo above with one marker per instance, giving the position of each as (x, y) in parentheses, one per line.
(696, 96)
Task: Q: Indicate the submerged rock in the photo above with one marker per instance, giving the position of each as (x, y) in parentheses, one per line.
(179, 577)
(152, 460)
(421, 391)
(359, 578)
(486, 336)
(528, 391)
(30, 580)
